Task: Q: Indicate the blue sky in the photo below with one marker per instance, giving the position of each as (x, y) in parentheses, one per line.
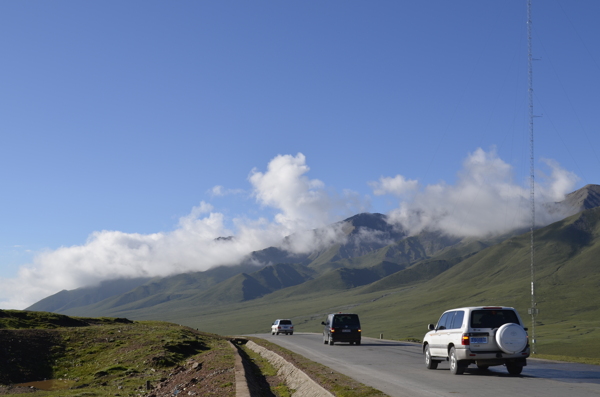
(127, 123)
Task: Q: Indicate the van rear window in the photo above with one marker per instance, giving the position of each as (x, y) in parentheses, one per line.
(345, 319)
(492, 318)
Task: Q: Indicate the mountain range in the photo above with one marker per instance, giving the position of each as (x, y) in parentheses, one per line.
(397, 282)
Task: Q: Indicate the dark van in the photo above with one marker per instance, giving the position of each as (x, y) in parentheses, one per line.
(341, 327)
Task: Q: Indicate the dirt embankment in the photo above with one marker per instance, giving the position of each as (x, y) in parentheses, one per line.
(27, 354)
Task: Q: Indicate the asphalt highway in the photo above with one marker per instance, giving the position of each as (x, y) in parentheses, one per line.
(398, 369)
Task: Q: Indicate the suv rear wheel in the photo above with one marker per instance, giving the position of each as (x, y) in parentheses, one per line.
(514, 369)
(456, 367)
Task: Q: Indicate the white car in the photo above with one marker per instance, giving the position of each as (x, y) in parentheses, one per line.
(282, 327)
(486, 336)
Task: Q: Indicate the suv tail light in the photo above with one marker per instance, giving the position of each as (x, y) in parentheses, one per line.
(465, 341)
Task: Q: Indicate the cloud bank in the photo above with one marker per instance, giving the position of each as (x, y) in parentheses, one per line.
(485, 200)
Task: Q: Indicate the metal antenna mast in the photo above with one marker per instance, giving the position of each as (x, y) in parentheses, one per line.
(533, 310)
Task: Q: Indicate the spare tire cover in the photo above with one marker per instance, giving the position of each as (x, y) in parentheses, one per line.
(511, 338)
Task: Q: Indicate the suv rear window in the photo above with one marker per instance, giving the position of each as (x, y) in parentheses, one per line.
(285, 322)
(492, 318)
(345, 319)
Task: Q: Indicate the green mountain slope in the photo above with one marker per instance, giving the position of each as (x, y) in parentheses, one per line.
(282, 275)
(420, 272)
(174, 293)
(245, 287)
(64, 299)
(136, 293)
(343, 278)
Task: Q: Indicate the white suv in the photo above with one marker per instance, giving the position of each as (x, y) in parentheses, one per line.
(282, 327)
(484, 336)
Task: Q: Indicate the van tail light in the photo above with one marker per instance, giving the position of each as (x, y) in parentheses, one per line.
(331, 330)
(466, 341)
(360, 330)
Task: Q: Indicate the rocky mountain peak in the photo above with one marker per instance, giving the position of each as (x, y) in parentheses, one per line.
(586, 198)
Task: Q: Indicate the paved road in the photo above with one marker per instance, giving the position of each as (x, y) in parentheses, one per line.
(398, 369)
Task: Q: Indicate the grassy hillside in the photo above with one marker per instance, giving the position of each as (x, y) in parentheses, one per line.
(64, 300)
(137, 293)
(94, 357)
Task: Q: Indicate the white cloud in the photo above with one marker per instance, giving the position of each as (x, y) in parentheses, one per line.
(554, 186)
(219, 191)
(398, 186)
(484, 201)
(315, 240)
(111, 254)
(303, 203)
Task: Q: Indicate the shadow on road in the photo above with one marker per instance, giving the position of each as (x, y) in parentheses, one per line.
(375, 344)
(562, 374)
(495, 372)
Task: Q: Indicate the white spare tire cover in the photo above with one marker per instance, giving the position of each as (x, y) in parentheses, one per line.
(511, 338)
